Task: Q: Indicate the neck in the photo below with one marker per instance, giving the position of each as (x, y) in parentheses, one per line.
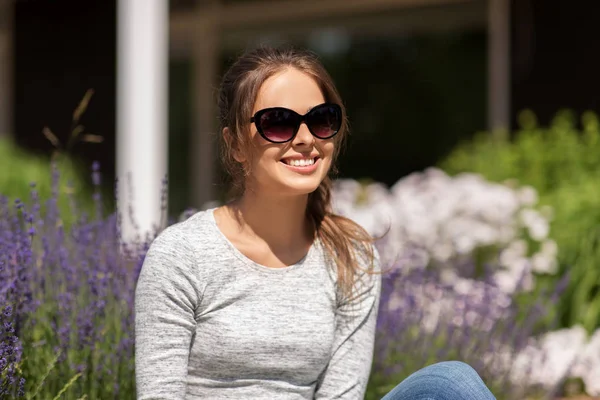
(280, 221)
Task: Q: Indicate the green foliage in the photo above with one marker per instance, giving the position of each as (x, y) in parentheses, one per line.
(20, 168)
(562, 162)
(76, 317)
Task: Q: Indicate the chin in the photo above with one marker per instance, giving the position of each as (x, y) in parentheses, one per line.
(302, 187)
(300, 184)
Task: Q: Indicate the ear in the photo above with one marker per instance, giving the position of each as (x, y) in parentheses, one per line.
(235, 150)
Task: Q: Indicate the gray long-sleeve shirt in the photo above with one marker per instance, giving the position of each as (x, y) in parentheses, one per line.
(210, 323)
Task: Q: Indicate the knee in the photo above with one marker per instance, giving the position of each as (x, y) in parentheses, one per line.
(451, 380)
(454, 370)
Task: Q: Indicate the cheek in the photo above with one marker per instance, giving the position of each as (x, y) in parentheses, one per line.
(327, 152)
(260, 151)
(328, 149)
(265, 159)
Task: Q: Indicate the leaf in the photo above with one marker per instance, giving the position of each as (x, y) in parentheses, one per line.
(90, 138)
(78, 129)
(50, 368)
(83, 104)
(51, 137)
(67, 386)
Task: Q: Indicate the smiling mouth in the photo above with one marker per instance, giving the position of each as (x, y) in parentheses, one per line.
(304, 162)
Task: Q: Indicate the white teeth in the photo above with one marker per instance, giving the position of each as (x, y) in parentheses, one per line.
(301, 163)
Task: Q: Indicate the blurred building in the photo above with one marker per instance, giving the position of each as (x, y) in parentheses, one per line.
(417, 76)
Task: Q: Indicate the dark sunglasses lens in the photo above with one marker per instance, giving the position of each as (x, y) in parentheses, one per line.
(324, 121)
(278, 125)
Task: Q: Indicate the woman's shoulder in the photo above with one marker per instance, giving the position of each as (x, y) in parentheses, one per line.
(182, 250)
(189, 234)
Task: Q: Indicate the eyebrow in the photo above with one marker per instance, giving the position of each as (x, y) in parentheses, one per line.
(310, 108)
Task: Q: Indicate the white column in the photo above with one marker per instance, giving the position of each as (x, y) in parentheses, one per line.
(6, 67)
(499, 66)
(142, 79)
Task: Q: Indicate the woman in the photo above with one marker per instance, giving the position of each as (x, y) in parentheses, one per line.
(271, 296)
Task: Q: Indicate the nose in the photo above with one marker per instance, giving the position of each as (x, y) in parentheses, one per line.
(303, 137)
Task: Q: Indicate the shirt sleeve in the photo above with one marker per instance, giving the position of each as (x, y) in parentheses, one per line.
(347, 373)
(165, 303)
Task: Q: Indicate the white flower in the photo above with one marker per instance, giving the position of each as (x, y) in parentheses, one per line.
(587, 366)
(464, 286)
(515, 251)
(549, 248)
(464, 244)
(443, 252)
(544, 264)
(517, 276)
(528, 196)
(506, 281)
(539, 230)
(440, 221)
(550, 359)
(537, 225)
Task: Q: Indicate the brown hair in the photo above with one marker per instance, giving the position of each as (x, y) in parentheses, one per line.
(344, 240)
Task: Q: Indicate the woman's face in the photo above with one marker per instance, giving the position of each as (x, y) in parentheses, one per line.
(271, 169)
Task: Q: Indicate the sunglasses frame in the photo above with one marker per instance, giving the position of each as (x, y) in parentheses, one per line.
(302, 118)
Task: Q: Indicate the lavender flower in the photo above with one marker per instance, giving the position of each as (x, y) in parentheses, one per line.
(71, 285)
(10, 356)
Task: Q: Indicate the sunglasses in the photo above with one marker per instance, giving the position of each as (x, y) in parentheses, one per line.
(280, 125)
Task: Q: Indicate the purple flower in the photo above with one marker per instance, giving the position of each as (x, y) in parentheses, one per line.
(10, 355)
(70, 277)
(21, 390)
(422, 319)
(96, 173)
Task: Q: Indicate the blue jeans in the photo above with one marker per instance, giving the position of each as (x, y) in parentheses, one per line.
(449, 380)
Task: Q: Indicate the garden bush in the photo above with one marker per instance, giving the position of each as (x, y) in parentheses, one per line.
(20, 168)
(562, 162)
(68, 293)
(466, 256)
